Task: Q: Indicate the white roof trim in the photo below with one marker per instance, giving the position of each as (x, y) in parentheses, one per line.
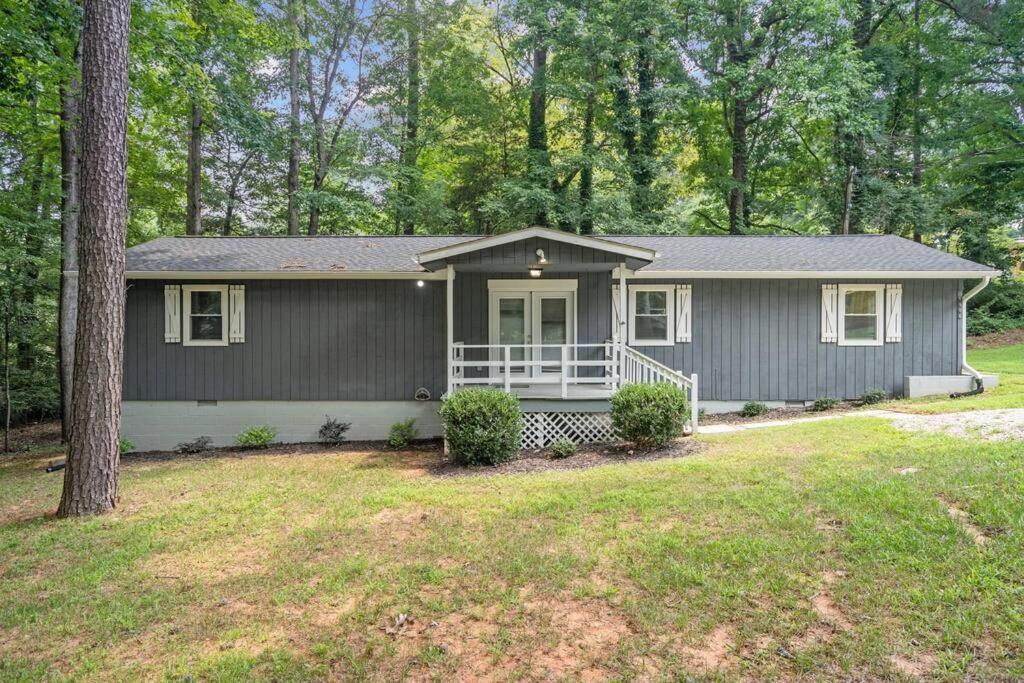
(545, 233)
(812, 274)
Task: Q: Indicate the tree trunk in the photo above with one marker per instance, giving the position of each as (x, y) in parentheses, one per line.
(587, 172)
(229, 212)
(537, 134)
(738, 192)
(70, 124)
(412, 121)
(91, 475)
(314, 210)
(193, 189)
(916, 124)
(293, 120)
(25, 311)
(643, 164)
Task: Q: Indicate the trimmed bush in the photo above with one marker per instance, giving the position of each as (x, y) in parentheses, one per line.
(873, 396)
(257, 436)
(201, 444)
(125, 445)
(483, 426)
(562, 448)
(753, 409)
(824, 403)
(402, 433)
(332, 432)
(649, 415)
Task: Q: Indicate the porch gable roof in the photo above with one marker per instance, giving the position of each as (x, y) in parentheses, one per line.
(636, 256)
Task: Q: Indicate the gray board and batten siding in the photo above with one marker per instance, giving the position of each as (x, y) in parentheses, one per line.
(306, 340)
(381, 340)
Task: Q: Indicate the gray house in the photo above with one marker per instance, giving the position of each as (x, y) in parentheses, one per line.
(223, 333)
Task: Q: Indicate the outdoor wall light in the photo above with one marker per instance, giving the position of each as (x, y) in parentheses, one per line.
(419, 283)
(537, 269)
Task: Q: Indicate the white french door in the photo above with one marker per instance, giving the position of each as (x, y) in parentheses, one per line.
(532, 315)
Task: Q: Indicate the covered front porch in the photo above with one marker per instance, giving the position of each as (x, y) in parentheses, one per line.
(535, 314)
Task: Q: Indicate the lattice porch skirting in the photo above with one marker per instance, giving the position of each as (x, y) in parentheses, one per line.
(542, 429)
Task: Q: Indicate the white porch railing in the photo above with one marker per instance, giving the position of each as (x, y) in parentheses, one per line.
(610, 365)
(495, 365)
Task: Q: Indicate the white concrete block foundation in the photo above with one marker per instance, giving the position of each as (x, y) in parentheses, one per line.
(162, 425)
(932, 385)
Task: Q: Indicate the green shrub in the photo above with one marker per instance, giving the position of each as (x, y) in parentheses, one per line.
(562, 448)
(753, 409)
(998, 307)
(125, 445)
(649, 414)
(482, 426)
(332, 432)
(257, 436)
(824, 403)
(873, 396)
(402, 433)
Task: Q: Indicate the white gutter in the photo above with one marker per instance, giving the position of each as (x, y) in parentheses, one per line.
(965, 368)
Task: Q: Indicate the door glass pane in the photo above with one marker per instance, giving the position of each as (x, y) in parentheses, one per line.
(512, 326)
(553, 328)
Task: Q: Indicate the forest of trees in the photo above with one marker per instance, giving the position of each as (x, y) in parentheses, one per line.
(455, 116)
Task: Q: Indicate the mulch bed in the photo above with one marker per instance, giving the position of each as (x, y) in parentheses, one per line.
(587, 457)
(284, 449)
(777, 414)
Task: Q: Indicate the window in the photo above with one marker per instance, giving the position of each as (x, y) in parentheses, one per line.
(652, 321)
(205, 313)
(860, 315)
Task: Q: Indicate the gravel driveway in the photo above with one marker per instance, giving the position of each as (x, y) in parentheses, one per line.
(990, 425)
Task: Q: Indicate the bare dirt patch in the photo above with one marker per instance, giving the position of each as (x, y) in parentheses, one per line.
(34, 435)
(399, 525)
(714, 653)
(832, 619)
(1003, 338)
(545, 637)
(918, 665)
(964, 520)
(989, 425)
(586, 457)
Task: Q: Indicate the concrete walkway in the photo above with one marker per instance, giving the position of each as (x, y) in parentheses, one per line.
(728, 428)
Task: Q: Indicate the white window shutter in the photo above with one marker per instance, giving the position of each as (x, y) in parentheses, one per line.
(236, 331)
(684, 320)
(616, 313)
(830, 314)
(894, 313)
(172, 314)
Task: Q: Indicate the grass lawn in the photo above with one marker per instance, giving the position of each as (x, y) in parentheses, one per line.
(806, 551)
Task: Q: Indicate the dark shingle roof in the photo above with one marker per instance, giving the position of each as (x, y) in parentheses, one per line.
(691, 254)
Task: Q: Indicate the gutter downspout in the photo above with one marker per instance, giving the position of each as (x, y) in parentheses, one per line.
(966, 369)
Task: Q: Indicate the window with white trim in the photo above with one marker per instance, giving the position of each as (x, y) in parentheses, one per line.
(204, 315)
(652, 315)
(860, 315)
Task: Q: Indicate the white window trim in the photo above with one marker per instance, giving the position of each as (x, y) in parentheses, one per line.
(670, 303)
(879, 291)
(186, 314)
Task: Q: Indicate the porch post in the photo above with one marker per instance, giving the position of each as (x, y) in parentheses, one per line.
(450, 321)
(623, 331)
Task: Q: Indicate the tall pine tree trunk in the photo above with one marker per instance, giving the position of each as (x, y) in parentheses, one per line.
(538, 159)
(406, 224)
(91, 475)
(193, 188)
(643, 164)
(587, 172)
(916, 123)
(293, 120)
(738, 191)
(70, 129)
